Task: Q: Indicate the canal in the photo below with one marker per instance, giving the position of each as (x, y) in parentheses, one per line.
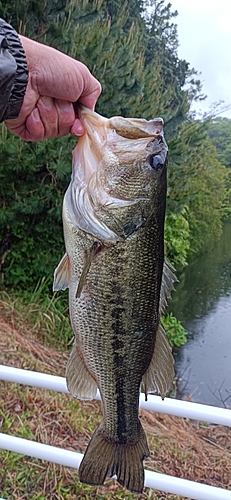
(203, 304)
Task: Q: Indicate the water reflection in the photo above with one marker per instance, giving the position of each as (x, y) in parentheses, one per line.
(203, 304)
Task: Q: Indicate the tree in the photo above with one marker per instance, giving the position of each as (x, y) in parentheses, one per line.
(161, 50)
(198, 183)
(34, 178)
(220, 135)
(38, 174)
(135, 58)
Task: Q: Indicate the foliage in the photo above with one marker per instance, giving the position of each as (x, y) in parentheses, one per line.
(46, 313)
(161, 49)
(176, 237)
(35, 178)
(134, 55)
(114, 54)
(197, 181)
(113, 46)
(176, 333)
(220, 135)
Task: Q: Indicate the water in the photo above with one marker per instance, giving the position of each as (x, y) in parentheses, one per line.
(203, 304)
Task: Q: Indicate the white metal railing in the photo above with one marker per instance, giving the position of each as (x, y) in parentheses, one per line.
(168, 484)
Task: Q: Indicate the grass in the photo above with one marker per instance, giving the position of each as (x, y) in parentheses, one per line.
(46, 314)
(178, 447)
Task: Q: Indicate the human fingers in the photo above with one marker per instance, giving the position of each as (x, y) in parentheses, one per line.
(77, 128)
(88, 98)
(66, 117)
(90, 93)
(48, 116)
(56, 115)
(89, 101)
(49, 119)
(30, 129)
(34, 129)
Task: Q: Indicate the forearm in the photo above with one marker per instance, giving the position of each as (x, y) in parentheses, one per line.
(13, 72)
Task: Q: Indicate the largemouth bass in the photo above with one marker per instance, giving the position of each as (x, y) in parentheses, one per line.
(113, 219)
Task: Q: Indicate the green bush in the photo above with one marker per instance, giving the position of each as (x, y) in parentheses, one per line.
(176, 238)
(176, 333)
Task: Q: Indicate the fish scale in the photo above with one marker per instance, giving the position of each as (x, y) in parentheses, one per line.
(118, 286)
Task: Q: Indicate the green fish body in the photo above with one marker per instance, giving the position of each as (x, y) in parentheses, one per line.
(113, 219)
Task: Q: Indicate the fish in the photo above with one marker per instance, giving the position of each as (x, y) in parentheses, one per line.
(119, 286)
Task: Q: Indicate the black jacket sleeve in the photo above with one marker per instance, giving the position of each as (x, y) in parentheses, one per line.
(13, 72)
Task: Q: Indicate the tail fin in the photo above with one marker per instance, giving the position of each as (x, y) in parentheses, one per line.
(104, 458)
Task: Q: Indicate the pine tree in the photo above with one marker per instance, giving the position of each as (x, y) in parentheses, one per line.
(198, 183)
(135, 58)
(220, 135)
(38, 174)
(161, 50)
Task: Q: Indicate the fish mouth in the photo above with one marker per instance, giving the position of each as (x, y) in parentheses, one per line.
(113, 133)
(107, 145)
(96, 127)
(129, 128)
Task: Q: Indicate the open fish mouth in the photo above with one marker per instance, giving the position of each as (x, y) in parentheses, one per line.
(114, 133)
(130, 128)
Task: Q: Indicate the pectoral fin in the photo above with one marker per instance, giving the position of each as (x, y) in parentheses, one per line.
(79, 382)
(62, 274)
(160, 374)
(89, 257)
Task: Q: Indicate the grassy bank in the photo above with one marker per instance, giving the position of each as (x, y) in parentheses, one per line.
(178, 446)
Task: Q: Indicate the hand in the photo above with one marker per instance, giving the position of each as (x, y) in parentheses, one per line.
(56, 81)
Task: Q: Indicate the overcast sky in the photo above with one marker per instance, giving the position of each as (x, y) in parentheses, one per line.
(204, 30)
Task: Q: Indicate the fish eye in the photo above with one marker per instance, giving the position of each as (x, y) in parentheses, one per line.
(156, 162)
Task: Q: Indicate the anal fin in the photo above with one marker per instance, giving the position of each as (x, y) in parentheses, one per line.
(79, 381)
(62, 274)
(160, 374)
